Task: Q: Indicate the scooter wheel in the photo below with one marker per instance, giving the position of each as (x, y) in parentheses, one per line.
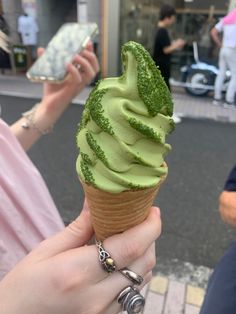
(198, 77)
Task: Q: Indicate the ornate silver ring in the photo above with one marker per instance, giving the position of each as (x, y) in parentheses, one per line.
(131, 300)
(132, 276)
(77, 65)
(105, 259)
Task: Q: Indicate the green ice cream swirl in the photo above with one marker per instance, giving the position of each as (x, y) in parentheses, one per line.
(125, 121)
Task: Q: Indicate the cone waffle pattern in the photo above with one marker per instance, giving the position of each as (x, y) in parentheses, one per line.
(115, 213)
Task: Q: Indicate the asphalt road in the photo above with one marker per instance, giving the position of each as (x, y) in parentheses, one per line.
(203, 153)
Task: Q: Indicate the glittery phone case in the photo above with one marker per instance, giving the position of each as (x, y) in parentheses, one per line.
(70, 39)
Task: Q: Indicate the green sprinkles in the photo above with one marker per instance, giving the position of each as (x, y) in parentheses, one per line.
(133, 186)
(88, 176)
(96, 111)
(86, 113)
(140, 161)
(85, 119)
(145, 130)
(151, 86)
(86, 158)
(96, 148)
(93, 109)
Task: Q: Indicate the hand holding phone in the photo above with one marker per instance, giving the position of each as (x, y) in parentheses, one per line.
(70, 40)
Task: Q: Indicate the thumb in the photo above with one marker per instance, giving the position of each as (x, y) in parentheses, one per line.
(81, 228)
(77, 234)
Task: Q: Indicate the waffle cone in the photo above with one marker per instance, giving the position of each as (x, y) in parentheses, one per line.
(114, 213)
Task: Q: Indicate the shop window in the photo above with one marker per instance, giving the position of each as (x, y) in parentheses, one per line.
(139, 19)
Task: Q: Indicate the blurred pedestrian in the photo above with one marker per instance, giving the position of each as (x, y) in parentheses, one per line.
(4, 44)
(27, 212)
(28, 30)
(163, 47)
(227, 200)
(3, 24)
(220, 296)
(227, 58)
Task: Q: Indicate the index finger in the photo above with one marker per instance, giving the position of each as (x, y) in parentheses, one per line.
(133, 243)
(91, 58)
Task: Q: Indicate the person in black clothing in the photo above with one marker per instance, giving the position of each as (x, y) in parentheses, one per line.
(3, 25)
(227, 200)
(4, 44)
(220, 296)
(163, 46)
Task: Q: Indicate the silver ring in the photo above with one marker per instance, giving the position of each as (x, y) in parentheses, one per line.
(132, 276)
(105, 259)
(77, 65)
(131, 300)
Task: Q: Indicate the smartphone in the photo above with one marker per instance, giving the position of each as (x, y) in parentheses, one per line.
(70, 40)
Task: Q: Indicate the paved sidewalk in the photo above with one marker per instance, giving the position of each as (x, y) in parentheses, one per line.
(166, 296)
(19, 86)
(184, 105)
(166, 293)
(201, 108)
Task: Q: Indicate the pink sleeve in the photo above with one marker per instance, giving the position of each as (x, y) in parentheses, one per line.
(27, 212)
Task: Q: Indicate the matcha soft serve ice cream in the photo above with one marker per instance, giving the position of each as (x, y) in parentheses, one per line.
(122, 143)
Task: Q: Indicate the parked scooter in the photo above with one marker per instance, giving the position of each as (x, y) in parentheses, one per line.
(198, 78)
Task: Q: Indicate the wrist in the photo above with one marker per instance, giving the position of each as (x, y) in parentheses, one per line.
(38, 119)
(48, 112)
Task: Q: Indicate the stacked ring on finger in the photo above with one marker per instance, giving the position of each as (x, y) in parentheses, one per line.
(132, 276)
(77, 65)
(131, 300)
(105, 258)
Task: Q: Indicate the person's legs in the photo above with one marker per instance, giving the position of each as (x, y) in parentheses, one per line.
(221, 75)
(231, 62)
(165, 72)
(220, 296)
